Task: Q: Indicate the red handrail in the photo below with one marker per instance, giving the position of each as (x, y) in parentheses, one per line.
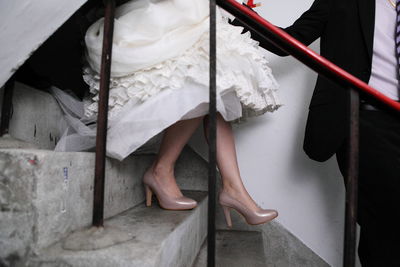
(313, 60)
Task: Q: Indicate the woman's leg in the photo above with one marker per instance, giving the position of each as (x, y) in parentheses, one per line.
(174, 139)
(228, 165)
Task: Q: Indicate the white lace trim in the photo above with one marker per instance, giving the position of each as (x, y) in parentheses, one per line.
(253, 82)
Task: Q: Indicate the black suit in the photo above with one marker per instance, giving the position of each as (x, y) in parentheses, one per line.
(346, 29)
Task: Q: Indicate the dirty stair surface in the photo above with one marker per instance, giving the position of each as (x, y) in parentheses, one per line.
(159, 238)
(235, 249)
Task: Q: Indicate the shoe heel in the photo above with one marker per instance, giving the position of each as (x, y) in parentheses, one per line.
(227, 214)
(149, 195)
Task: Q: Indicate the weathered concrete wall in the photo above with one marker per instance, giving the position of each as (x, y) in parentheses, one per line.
(25, 25)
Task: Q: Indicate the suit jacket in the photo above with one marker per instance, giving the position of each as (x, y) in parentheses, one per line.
(346, 30)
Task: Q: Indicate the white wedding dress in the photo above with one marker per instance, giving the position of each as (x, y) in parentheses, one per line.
(160, 75)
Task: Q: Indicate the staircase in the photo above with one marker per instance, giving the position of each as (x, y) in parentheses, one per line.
(46, 197)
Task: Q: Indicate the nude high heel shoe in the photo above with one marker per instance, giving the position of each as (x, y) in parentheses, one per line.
(165, 201)
(252, 217)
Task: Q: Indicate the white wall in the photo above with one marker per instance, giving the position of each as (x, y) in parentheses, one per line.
(25, 25)
(308, 195)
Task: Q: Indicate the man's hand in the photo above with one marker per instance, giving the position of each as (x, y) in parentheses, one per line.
(250, 3)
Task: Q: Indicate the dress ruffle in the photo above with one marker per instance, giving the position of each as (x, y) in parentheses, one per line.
(241, 66)
(160, 75)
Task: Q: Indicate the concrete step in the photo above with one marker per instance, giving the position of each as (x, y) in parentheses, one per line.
(159, 238)
(281, 247)
(235, 249)
(36, 117)
(45, 195)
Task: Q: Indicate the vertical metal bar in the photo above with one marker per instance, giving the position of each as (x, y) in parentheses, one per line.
(7, 106)
(212, 175)
(352, 183)
(99, 179)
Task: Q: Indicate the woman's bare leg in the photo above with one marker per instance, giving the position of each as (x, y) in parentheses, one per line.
(175, 138)
(228, 165)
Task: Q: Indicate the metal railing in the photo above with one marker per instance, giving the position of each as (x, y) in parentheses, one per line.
(326, 68)
(212, 150)
(102, 117)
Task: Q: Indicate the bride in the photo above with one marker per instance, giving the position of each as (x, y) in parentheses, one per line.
(160, 70)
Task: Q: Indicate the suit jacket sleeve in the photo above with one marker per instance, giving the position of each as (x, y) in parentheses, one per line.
(309, 27)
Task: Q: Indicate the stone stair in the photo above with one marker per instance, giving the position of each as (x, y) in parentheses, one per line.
(46, 195)
(158, 238)
(46, 198)
(55, 190)
(235, 249)
(36, 117)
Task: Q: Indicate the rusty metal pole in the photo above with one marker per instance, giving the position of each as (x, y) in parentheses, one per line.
(105, 71)
(212, 167)
(350, 236)
(7, 106)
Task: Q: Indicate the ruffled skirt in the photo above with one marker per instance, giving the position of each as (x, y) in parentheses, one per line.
(147, 101)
